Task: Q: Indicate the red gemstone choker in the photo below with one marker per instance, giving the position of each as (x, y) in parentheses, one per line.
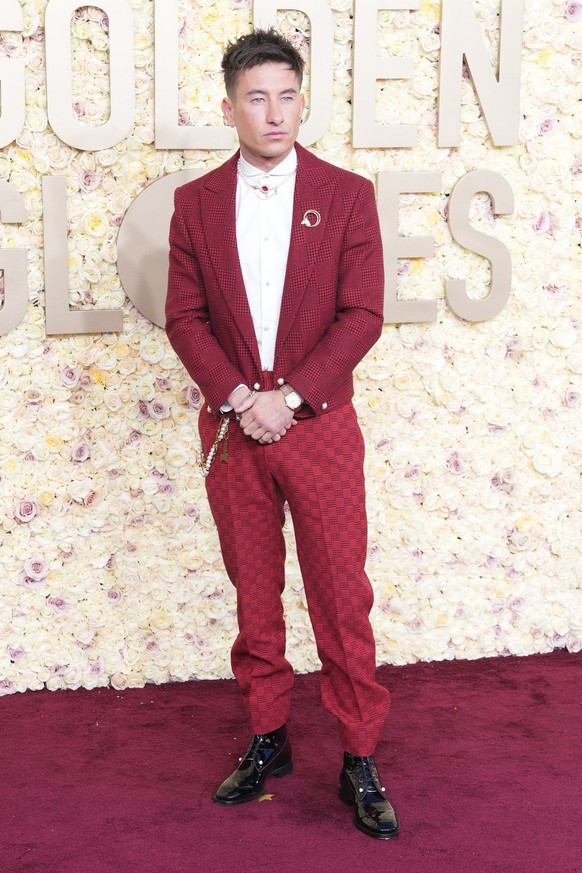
(264, 192)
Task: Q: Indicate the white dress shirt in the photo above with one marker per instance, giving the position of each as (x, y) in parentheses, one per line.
(263, 233)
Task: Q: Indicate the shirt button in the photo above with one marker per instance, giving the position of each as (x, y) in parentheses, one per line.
(265, 327)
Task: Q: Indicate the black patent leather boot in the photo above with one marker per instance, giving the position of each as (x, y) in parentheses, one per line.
(267, 755)
(360, 787)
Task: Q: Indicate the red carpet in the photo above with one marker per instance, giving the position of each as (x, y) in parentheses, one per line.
(483, 760)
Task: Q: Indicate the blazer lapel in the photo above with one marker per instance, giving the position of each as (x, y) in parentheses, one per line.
(218, 209)
(313, 195)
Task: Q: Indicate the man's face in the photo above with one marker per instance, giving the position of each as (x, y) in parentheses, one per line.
(266, 110)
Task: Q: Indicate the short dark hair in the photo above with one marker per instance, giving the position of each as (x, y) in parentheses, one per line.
(259, 47)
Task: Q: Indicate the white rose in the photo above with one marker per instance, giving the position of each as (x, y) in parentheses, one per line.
(547, 460)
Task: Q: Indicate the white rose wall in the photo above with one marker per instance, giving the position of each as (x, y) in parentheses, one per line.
(110, 566)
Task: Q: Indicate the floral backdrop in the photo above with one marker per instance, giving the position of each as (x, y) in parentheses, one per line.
(110, 566)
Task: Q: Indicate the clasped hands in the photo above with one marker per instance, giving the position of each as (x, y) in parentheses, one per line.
(262, 415)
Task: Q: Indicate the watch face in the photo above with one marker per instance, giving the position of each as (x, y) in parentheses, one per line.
(293, 400)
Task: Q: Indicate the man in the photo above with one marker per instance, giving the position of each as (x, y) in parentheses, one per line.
(274, 296)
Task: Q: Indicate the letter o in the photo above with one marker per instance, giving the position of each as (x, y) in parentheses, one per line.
(143, 245)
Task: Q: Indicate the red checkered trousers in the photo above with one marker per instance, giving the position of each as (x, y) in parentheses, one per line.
(317, 467)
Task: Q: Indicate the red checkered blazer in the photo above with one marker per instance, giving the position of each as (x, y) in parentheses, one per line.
(331, 311)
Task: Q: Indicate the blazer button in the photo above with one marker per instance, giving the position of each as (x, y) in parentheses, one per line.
(208, 409)
(257, 386)
(280, 381)
(324, 405)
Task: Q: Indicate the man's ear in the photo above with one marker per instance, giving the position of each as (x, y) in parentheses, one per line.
(227, 111)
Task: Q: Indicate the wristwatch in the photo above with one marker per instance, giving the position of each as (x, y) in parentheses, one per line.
(293, 400)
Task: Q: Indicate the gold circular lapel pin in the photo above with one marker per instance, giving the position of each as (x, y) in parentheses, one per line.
(311, 218)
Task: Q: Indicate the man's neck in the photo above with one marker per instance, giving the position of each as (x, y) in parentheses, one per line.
(265, 164)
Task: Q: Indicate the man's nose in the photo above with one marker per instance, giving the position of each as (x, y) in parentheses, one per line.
(274, 115)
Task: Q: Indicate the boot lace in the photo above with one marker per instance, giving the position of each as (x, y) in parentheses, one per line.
(367, 777)
(256, 750)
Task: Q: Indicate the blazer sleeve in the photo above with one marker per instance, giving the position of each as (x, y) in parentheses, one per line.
(187, 316)
(359, 308)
